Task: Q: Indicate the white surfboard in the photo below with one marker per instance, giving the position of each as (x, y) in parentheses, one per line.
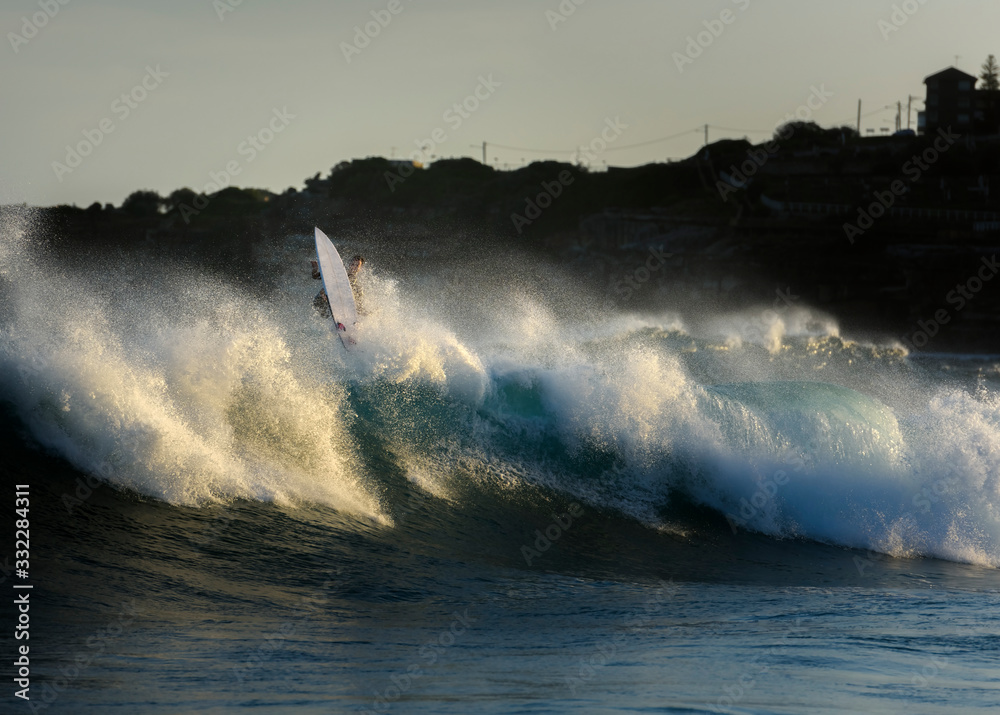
(338, 289)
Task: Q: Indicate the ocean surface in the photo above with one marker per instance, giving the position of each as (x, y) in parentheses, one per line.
(513, 498)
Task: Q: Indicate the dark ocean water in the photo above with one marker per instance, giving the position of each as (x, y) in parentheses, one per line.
(504, 502)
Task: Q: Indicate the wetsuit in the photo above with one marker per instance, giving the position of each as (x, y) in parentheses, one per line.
(322, 304)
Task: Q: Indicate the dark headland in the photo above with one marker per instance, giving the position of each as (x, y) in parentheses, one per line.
(896, 236)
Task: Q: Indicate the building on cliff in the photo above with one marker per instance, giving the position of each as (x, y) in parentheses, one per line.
(954, 103)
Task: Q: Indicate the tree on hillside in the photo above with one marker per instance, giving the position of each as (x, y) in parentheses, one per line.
(315, 185)
(800, 134)
(142, 203)
(180, 197)
(991, 75)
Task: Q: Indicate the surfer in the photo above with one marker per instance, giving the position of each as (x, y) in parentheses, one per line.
(352, 275)
(321, 303)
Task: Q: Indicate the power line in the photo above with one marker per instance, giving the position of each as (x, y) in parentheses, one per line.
(654, 141)
(611, 148)
(743, 131)
(649, 142)
(533, 151)
(852, 120)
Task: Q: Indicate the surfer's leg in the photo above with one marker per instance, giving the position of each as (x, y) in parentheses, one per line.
(322, 305)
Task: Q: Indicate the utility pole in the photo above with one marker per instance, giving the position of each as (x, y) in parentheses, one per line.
(859, 117)
(909, 109)
(706, 135)
(474, 146)
(899, 116)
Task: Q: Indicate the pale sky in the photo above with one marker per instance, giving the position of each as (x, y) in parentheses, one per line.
(217, 73)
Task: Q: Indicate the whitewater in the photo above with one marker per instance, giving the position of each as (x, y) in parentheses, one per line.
(636, 492)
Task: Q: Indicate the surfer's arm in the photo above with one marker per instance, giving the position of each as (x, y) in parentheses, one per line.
(315, 270)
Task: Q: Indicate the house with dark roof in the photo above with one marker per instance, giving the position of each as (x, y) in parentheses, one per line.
(953, 102)
(950, 102)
